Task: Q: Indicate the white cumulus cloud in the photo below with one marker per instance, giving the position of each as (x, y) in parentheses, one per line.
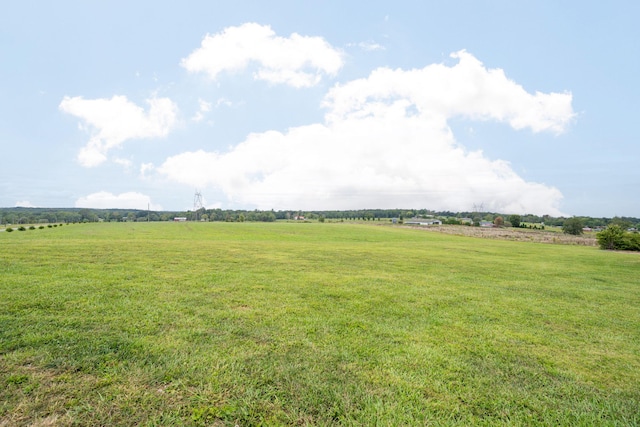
(467, 89)
(298, 61)
(106, 200)
(386, 143)
(111, 122)
(24, 204)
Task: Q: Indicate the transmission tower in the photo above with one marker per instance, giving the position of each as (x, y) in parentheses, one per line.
(197, 204)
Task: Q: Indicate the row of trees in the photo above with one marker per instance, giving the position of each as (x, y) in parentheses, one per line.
(576, 225)
(71, 215)
(615, 237)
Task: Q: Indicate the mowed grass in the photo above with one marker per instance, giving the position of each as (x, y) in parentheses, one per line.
(312, 324)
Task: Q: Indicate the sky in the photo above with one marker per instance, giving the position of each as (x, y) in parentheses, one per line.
(518, 107)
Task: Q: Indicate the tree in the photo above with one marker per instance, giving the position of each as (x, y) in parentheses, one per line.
(621, 222)
(515, 220)
(498, 222)
(572, 226)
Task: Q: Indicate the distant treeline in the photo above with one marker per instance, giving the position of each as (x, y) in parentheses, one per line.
(20, 215)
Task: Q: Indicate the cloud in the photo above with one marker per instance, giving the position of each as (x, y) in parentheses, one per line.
(145, 169)
(368, 46)
(298, 61)
(106, 200)
(126, 163)
(223, 102)
(24, 204)
(386, 143)
(467, 89)
(204, 107)
(111, 122)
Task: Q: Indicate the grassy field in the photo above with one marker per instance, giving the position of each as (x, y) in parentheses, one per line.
(312, 324)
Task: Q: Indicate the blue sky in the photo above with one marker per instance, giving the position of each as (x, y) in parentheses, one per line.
(523, 107)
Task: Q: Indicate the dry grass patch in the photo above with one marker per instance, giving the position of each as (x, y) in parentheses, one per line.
(514, 234)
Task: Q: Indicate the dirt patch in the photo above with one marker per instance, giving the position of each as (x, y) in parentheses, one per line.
(514, 234)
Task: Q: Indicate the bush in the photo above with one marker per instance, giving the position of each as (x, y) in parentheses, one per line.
(32, 228)
(41, 227)
(21, 228)
(615, 238)
(9, 230)
(631, 242)
(50, 226)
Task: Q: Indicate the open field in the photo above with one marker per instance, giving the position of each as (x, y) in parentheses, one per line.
(312, 324)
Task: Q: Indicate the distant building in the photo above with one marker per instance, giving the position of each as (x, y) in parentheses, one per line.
(180, 219)
(423, 221)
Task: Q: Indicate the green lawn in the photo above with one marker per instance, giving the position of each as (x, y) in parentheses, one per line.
(312, 324)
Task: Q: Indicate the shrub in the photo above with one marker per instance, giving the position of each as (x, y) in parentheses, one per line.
(50, 226)
(21, 228)
(9, 230)
(631, 242)
(32, 228)
(611, 238)
(41, 227)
